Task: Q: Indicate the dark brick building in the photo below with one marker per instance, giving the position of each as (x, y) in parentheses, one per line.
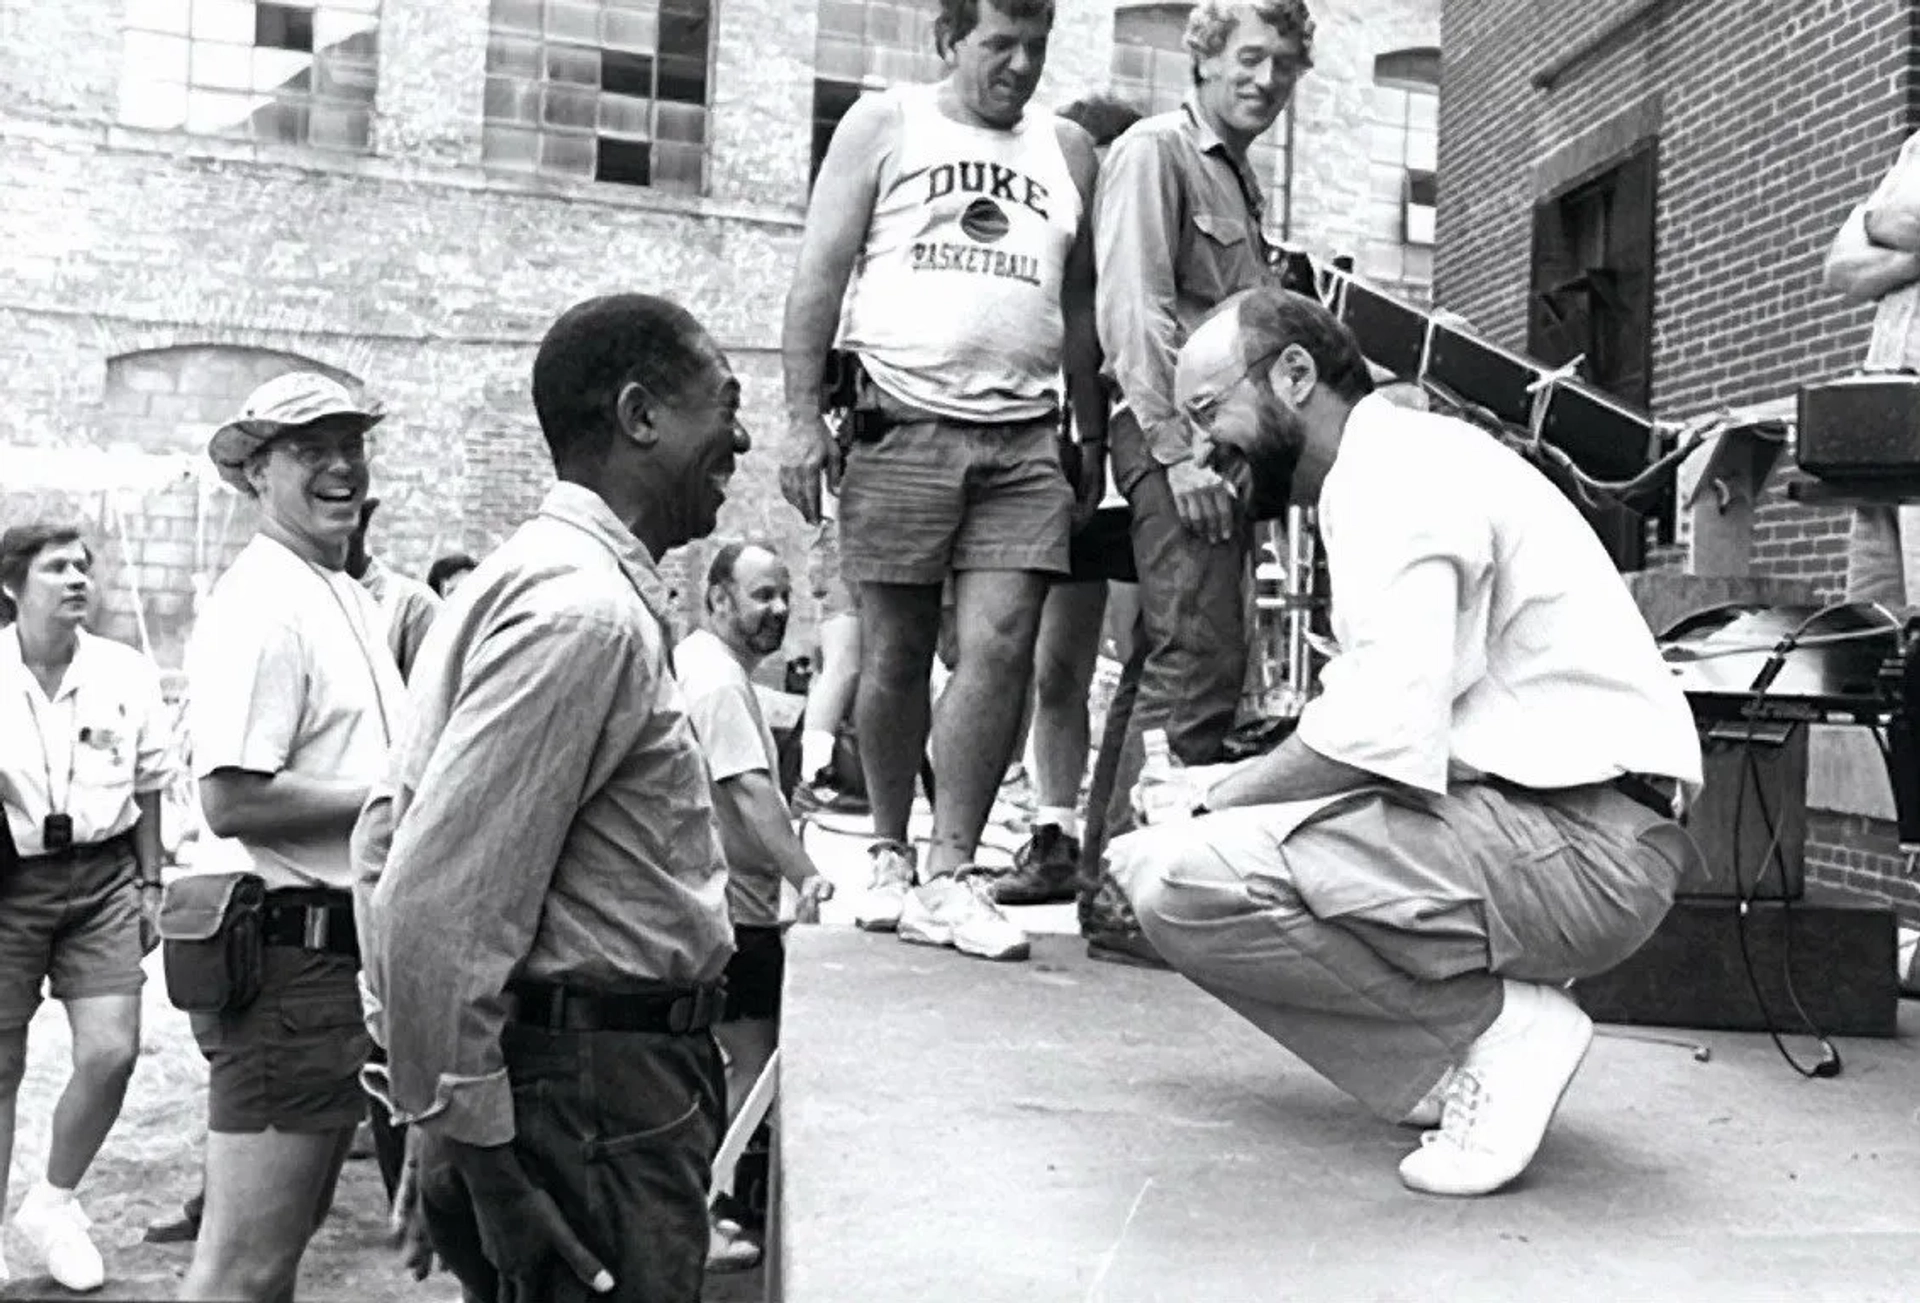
(1654, 183)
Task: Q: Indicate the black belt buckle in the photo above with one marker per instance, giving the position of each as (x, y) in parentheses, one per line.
(56, 834)
(694, 1011)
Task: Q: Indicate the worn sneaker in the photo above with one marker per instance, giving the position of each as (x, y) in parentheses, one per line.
(1111, 931)
(55, 1229)
(958, 911)
(1046, 870)
(1503, 1095)
(878, 908)
(1426, 1115)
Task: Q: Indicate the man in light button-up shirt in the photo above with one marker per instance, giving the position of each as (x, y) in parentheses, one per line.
(1469, 815)
(542, 888)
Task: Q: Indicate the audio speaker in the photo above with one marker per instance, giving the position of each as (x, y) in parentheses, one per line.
(1730, 824)
(1840, 950)
(1860, 426)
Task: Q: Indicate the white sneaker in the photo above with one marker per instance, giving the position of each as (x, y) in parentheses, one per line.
(1503, 1095)
(958, 911)
(1426, 1115)
(55, 1229)
(878, 909)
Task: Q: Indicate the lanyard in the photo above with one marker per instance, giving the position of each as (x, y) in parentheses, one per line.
(366, 654)
(46, 753)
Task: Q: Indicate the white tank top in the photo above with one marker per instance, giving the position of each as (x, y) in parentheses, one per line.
(955, 302)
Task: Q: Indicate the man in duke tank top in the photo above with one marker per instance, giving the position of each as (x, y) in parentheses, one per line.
(947, 249)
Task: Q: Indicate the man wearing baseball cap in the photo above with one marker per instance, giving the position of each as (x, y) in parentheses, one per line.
(292, 697)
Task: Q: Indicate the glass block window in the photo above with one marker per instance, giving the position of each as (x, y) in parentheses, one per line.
(601, 90)
(1403, 135)
(297, 72)
(1153, 71)
(866, 45)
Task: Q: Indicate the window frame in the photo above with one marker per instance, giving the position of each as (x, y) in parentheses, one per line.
(183, 60)
(537, 144)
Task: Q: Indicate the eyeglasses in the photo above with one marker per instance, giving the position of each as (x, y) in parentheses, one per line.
(311, 452)
(1201, 408)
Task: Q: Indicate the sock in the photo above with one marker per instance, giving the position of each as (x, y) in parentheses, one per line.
(46, 1192)
(1060, 816)
(816, 752)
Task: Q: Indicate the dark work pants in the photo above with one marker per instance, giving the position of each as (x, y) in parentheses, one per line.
(620, 1128)
(1106, 760)
(1195, 625)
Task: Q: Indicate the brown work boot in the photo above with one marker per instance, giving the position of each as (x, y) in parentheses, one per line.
(1112, 932)
(1046, 870)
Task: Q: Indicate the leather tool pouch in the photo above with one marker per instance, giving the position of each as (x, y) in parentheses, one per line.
(211, 926)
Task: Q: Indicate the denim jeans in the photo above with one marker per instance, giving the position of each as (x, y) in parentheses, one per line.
(1195, 642)
(620, 1128)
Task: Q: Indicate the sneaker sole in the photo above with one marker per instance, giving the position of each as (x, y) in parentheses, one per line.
(918, 937)
(877, 924)
(1585, 1039)
(1012, 955)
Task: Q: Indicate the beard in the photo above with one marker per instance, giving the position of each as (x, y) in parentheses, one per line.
(766, 637)
(1263, 465)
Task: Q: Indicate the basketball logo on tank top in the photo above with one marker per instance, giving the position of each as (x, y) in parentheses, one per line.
(985, 220)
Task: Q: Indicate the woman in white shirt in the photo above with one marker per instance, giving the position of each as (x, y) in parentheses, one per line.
(84, 757)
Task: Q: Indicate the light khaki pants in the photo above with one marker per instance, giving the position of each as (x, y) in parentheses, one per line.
(1371, 940)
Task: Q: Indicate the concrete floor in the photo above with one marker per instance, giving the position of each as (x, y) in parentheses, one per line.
(1066, 1130)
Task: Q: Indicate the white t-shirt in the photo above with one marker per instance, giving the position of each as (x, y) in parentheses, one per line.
(1483, 629)
(733, 733)
(101, 739)
(288, 670)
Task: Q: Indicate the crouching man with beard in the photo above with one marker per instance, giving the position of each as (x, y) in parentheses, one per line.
(1479, 806)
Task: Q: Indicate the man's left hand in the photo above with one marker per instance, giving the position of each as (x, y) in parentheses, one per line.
(406, 1223)
(813, 891)
(1089, 487)
(150, 899)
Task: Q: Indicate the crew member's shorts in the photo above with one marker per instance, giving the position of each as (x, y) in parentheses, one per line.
(71, 922)
(754, 974)
(830, 591)
(1103, 550)
(929, 498)
(291, 1060)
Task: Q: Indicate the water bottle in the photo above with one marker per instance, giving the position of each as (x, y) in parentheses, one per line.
(1163, 797)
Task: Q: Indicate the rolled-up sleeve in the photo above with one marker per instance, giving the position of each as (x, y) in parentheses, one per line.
(1397, 573)
(245, 682)
(472, 855)
(1136, 224)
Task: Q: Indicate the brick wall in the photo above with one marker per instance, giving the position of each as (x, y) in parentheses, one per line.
(1769, 131)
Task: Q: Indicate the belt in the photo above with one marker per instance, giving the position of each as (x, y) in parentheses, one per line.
(886, 412)
(1654, 791)
(678, 1012)
(117, 844)
(310, 921)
